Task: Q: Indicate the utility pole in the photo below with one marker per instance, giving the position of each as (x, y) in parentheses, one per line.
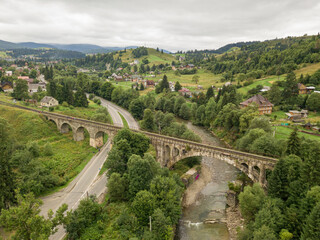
(150, 223)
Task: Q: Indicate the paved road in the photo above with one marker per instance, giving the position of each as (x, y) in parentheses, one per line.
(115, 109)
(87, 182)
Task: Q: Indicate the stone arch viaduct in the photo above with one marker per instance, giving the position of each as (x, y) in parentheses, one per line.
(169, 149)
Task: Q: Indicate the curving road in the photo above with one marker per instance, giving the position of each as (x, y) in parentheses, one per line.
(114, 111)
(88, 182)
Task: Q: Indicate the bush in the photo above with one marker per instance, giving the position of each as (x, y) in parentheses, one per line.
(51, 109)
(47, 149)
(97, 101)
(33, 148)
(91, 96)
(65, 104)
(57, 107)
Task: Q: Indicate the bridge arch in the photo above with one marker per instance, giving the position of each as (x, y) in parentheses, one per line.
(79, 133)
(65, 127)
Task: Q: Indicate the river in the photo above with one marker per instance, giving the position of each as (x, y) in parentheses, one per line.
(211, 202)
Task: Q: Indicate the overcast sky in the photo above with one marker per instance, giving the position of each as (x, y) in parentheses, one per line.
(169, 24)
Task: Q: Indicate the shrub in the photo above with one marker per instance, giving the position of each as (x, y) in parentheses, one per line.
(47, 149)
(65, 104)
(33, 148)
(91, 96)
(51, 109)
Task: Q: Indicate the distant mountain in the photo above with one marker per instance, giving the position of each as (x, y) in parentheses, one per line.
(35, 45)
(83, 48)
(8, 45)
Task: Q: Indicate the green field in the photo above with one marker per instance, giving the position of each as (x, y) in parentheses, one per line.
(153, 56)
(206, 79)
(79, 112)
(4, 55)
(268, 81)
(69, 157)
(284, 133)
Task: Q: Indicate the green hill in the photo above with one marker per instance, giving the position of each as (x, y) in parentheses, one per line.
(154, 57)
(8, 45)
(69, 157)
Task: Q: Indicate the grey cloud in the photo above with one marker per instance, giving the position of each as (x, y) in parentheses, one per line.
(174, 25)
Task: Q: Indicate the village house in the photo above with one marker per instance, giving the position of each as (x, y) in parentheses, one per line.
(34, 87)
(190, 66)
(48, 101)
(310, 89)
(6, 87)
(265, 89)
(185, 92)
(8, 73)
(118, 78)
(297, 116)
(302, 88)
(264, 106)
(150, 83)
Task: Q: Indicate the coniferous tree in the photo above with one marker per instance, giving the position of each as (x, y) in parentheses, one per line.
(177, 86)
(209, 93)
(293, 145)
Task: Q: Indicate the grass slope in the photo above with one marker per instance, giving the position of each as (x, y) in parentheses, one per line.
(69, 156)
(153, 56)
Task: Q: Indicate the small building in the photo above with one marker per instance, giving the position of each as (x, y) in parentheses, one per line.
(296, 116)
(8, 73)
(150, 83)
(118, 78)
(32, 101)
(310, 89)
(34, 87)
(265, 89)
(6, 87)
(190, 66)
(308, 125)
(264, 106)
(185, 92)
(48, 101)
(302, 88)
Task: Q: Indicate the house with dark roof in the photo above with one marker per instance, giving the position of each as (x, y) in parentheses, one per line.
(264, 106)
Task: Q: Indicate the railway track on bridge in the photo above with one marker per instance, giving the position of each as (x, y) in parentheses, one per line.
(150, 135)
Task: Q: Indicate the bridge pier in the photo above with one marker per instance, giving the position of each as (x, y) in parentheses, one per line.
(78, 135)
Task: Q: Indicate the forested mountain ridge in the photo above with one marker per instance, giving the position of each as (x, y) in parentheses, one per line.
(272, 57)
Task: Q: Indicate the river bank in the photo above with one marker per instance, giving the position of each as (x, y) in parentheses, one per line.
(205, 215)
(192, 192)
(234, 221)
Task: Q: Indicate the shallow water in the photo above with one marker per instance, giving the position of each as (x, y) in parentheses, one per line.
(211, 203)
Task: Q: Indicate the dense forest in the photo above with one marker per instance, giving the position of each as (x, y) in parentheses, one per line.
(44, 54)
(273, 57)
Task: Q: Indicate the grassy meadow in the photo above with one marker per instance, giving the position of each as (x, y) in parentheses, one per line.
(69, 157)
